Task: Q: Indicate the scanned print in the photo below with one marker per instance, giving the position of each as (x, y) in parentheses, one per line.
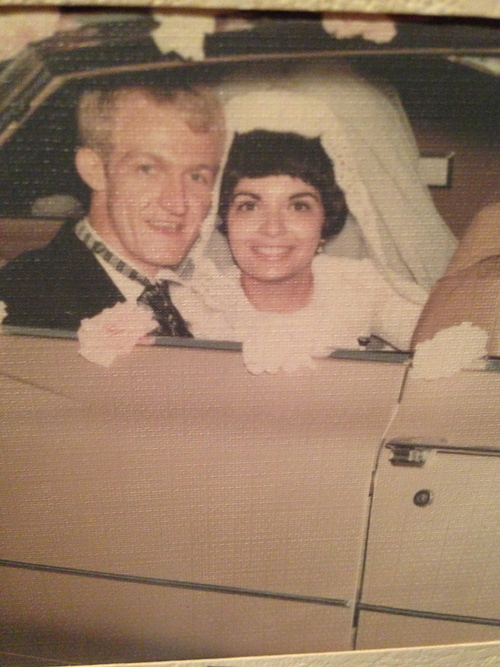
(250, 332)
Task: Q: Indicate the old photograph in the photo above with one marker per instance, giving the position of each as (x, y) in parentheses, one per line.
(249, 351)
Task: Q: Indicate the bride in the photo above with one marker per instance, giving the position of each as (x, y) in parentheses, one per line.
(291, 178)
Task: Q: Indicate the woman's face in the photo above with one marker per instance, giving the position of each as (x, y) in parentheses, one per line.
(274, 227)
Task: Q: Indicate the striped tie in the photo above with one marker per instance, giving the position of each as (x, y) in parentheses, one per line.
(155, 295)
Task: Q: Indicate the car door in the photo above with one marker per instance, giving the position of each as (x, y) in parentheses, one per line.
(431, 572)
(176, 505)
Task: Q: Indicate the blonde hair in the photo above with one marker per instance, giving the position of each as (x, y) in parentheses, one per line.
(197, 105)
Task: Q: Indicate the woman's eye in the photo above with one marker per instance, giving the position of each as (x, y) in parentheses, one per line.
(246, 206)
(301, 206)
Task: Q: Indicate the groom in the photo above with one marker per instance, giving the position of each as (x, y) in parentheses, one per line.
(150, 157)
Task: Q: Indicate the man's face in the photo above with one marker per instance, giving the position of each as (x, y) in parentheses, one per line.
(158, 183)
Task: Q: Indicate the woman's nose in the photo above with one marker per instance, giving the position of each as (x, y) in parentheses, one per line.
(273, 223)
(173, 194)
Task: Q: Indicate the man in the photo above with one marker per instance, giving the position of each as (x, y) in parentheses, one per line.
(150, 157)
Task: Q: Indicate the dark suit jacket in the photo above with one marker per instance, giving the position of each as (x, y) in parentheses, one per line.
(57, 286)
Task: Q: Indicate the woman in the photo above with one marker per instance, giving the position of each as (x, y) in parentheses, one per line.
(286, 300)
(392, 249)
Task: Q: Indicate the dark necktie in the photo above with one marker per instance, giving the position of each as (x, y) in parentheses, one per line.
(155, 295)
(170, 322)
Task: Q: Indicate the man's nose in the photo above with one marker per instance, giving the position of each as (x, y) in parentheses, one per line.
(173, 194)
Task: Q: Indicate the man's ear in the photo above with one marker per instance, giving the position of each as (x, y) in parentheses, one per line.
(90, 166)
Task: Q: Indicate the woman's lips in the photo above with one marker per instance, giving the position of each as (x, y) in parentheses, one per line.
(272, 252)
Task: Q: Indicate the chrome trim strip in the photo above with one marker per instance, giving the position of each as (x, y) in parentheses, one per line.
(172, 583)
(427, 614)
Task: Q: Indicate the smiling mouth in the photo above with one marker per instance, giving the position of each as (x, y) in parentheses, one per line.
(272, 252)
(166, 227)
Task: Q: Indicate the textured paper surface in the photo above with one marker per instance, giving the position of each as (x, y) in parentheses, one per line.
(487, 8)
(272, 617)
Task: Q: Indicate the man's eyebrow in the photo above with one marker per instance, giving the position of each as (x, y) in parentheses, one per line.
(208, 167)
(140, 155)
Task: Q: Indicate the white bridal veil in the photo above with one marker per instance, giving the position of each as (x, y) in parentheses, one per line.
(364, 130)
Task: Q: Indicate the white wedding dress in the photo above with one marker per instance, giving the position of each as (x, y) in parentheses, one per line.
(351, 300)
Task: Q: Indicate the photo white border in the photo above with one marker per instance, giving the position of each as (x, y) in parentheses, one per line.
(468, 654)
(477, 8)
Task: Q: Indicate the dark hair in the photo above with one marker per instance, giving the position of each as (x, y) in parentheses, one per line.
(262, 153)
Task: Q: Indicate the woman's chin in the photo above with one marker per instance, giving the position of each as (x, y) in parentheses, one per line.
(272, 275)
